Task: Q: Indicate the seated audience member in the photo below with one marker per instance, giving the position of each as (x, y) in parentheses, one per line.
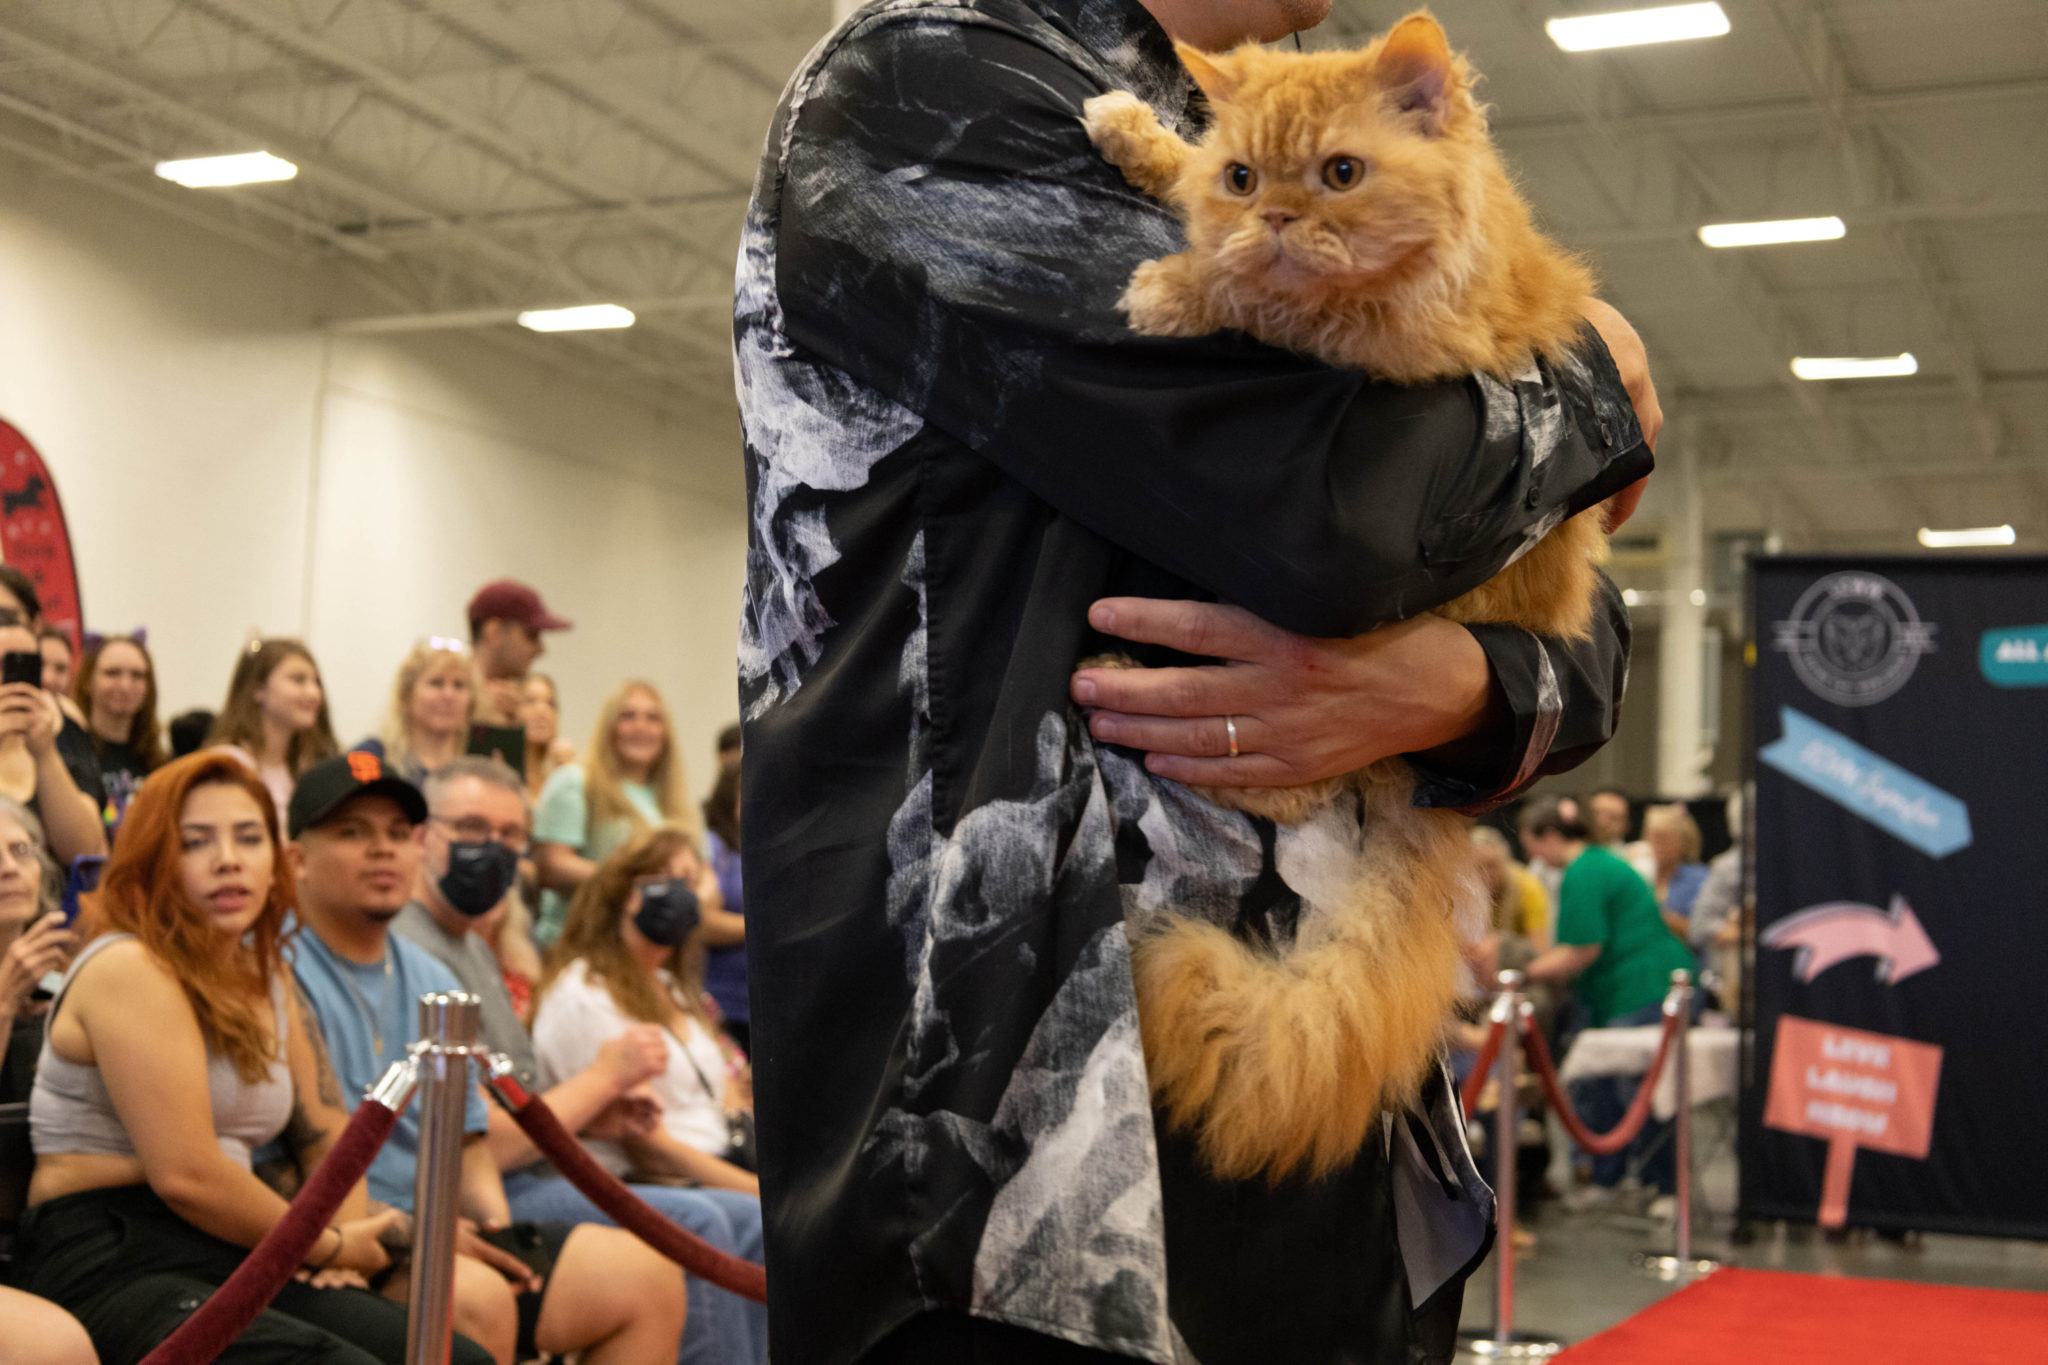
(40, 766)
(175, 1048)
(506, 619)
(117, 692)
(54, 643)
(275, 716)
(630, 779)
(33, 943)
(546, 750)
(432, 701)
(187, 731)
(40, 1333)
(1673, 839)
(725, 967)
(476, 828)
(356, 846)
(632, 953)
(1613, 947)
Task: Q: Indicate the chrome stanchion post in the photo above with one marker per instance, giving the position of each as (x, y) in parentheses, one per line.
(1504, 1342)
(1681, 1264)
(448, 1027)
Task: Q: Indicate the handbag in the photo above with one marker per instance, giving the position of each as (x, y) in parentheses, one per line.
(740, 1146)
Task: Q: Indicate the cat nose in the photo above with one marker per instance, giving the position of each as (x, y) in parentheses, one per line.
(1280, 218)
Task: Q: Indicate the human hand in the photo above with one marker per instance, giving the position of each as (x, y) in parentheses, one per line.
(44, 947)
(635, 1114)
(1305, 708)
(469, 1241)
(362, 1246)
(638, 1054)
(503, 699)
(331, 1278)
(29, 711)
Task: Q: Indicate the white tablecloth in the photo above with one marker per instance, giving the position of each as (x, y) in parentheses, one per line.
(1714, 1051)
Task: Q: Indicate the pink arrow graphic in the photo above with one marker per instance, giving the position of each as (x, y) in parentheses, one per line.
(1826, 935)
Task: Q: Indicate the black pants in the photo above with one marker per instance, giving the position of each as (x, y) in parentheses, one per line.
(131, 1271)
(957, 1339)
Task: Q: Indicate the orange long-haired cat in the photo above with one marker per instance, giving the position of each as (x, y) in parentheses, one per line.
(1349, 205)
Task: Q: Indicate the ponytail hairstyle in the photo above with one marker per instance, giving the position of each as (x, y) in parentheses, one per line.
(141, 893)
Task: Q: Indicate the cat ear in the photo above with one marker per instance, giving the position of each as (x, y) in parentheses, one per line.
(1415, 67)
(1216, 76)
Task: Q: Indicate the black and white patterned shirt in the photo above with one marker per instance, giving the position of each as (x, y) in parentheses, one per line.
(954, 445)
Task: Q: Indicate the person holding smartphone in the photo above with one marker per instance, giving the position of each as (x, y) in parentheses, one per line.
(35, 769)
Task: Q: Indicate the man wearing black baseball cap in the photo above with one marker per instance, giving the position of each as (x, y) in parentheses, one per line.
(356, 847)
(506, 618)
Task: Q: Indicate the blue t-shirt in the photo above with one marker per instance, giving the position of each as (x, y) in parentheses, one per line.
(725, 969)
(361, 1006)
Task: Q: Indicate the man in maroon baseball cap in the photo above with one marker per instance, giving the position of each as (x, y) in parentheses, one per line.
(506, 618)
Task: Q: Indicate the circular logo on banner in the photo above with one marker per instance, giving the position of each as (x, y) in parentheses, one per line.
(1854, 638)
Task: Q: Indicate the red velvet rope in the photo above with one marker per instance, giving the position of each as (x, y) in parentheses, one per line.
(1631, 1123)
(627, 1209)
(230, 1309)
(1475, 1080)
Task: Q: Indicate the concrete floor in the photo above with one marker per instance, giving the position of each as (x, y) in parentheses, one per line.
(1578, 1280)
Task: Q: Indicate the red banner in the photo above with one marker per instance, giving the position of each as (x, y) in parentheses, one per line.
(33, 534)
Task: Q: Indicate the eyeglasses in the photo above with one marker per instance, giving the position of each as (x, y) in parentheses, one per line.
(22, 851)
(474, 829)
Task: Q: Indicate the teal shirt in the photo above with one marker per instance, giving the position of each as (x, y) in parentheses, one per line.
(562, 816)
(1605, 901)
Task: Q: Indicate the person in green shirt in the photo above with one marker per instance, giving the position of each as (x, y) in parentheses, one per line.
(1615, 949)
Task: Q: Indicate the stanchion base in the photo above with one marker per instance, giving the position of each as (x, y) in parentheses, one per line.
(1663, 1265)
(1519, 1346)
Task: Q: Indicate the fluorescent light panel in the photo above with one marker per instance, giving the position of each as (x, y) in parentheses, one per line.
(216, 172)
(1855, 367)
(1772, 233)
(587, 317)
(1631, 28)
(1967, 539)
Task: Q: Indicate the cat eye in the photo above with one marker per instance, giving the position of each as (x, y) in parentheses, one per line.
(1239, 178)
(1343, 172)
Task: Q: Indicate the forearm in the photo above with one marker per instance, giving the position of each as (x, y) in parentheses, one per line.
(220, 1199)
(483, 1190)
(663, 1154)
(1561, 963)
(561, 868)
(723, 929)
(575, 1102)
(69, 815)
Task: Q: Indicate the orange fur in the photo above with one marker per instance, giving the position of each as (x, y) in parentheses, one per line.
(1427, 266)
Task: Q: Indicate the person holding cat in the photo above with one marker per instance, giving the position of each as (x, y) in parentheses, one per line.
(968, 472)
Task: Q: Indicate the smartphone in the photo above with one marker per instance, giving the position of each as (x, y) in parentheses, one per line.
(504, 742)
(22, 666)
(84, 876)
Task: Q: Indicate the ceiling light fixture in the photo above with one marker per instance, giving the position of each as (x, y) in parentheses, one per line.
(1772, 233)
(1631, 28)
(217, 172)
(1855, 367)
(587, 317)
(1967, 539)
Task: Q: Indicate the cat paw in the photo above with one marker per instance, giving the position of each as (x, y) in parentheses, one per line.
(1116, 122)
(1158, 303)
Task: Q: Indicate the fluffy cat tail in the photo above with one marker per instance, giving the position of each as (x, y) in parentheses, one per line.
(1283, 1063)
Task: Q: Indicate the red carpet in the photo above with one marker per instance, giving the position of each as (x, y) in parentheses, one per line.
(1766, 1317)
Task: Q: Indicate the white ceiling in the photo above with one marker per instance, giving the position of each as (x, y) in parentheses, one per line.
(465, 157)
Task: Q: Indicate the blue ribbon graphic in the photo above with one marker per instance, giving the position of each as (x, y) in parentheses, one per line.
(1880, 791)
(2016, 656)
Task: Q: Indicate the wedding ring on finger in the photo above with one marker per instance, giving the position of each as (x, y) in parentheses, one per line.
(1230, 729)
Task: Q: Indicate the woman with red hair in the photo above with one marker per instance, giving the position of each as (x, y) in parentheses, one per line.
(175, 1049)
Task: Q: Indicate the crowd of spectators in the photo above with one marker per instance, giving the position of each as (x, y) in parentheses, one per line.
(191, 1033)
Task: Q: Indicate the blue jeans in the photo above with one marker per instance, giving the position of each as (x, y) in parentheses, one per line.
(723, 1328)
(1601, 1102)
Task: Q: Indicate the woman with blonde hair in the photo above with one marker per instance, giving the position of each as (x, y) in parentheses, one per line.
(1673, 840)
(275, 717)
(433, 699)
(540, 711)
(630, 779)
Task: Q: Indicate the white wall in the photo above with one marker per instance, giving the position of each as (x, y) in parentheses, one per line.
(226, 466)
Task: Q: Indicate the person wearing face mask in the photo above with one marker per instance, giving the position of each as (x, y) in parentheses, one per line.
(476, 831)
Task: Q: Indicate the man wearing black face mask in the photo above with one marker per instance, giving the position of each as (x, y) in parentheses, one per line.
(477, 828)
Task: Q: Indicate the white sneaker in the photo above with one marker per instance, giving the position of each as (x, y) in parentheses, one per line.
(1587, 1198)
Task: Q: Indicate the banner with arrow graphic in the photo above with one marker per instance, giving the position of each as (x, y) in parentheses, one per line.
(1900, 934)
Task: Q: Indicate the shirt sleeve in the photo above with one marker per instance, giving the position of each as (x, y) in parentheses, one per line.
(961, 252)
(562, 815)
(569, 1025)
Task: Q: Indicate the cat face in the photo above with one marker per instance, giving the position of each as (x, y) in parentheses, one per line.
(1343, 171)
